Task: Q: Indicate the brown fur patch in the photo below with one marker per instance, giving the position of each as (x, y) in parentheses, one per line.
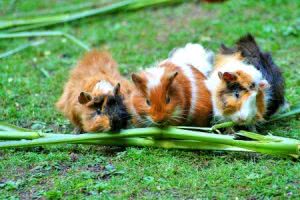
(261, 107)
(222, 59)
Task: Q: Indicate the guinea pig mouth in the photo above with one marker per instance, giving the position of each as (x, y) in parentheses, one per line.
(244, 121)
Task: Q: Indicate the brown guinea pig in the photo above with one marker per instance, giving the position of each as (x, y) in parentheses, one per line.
(94, 98)
(173, 93)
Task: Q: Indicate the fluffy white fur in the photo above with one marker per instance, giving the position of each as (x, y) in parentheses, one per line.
(154, 76)
(104, 86)
(248, 110)
(195, 55)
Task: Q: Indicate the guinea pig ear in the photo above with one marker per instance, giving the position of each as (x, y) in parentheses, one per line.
(117, 89)
(263, 84)
(84, 98)
(170, 78)
(139, 82)
(227, 76)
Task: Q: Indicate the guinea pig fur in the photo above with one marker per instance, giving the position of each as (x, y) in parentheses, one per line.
(263, 61)
(241, 84)
(94, 98)
(173, 93)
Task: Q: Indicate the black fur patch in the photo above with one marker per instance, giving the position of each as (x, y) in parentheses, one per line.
(117, 112)
(226, 50)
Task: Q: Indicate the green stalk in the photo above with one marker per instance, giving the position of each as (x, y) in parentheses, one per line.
(294, 111)
(166, 144)
(146, 3)
(43, 21)
(63, 9)
(44, 33)
(223, 125)
(9, 127)
(13, 135)
(214, 128)
(138, 132)
(258, 137)
(286, 146)
(65, 17)
(27, 27)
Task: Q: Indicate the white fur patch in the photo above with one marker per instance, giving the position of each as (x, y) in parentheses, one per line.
(187, 71)
(104, 86)
(195, 55)
(154, 76)
(248, 110)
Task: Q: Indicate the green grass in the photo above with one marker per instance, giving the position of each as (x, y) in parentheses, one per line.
(136, 40)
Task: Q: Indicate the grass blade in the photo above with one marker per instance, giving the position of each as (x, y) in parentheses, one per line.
(35, 22)
(21, 48)
(45, 34)
(294, 111)
(9, 127)
(65, 17)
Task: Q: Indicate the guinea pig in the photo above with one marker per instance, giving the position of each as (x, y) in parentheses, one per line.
(93, 98)
(174, 92)
(246, 85)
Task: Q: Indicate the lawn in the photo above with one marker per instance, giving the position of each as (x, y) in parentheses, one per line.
(32, 80)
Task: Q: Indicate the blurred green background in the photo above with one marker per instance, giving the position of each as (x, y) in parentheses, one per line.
(32, 80)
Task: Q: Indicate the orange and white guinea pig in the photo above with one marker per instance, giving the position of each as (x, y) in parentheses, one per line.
(94, 98)
(174, 92)
(246, 85)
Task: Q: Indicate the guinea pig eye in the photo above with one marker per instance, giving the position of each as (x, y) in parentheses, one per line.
(168, 99)
(148, 102)
(252, 86)
(98, 111)
(236, 94)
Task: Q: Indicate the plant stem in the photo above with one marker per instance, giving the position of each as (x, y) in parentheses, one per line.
(292, 112)
(165, 143)
(9, 127)
(223, 125)
(286, 146)
(146, 3)
(63, 139)
(17, 135)
(215, 127)
(45, 33)
(65, 17)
